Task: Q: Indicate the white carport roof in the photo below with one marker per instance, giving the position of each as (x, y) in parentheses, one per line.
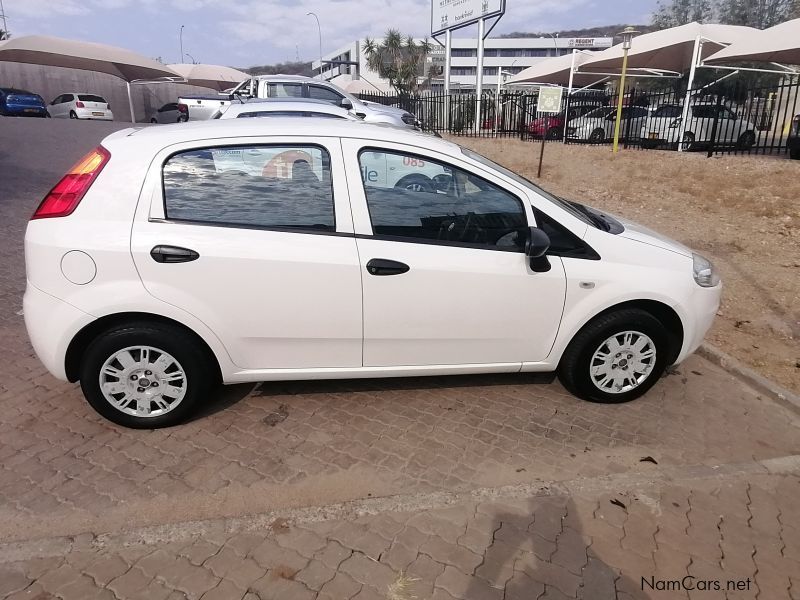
(88, 56)
(554, 71)
(216, 77)
(779, 44)
(669, 50)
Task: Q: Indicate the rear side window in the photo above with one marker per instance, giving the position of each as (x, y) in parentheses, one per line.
(421, 200)
(276, 187)
(91, 98)
(668, 112)
(285, 90)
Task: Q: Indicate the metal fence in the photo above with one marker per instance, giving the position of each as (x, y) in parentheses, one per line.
(723, 117)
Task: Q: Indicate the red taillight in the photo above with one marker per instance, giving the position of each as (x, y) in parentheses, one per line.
(79, 104)
(65, 196)
(183, 108)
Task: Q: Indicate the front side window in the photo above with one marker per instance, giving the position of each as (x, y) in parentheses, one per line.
(321, 93)
(279, 187)
(416, 199)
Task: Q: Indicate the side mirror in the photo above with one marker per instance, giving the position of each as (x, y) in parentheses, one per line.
(346, 104)
(536, 246)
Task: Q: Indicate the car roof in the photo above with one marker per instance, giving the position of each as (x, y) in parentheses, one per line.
(285, 105)
(202, 131)
(287, 78)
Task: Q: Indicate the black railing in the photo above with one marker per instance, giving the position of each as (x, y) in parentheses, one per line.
(723, 117)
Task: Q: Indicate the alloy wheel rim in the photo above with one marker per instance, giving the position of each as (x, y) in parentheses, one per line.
(622, 362)
(143, 381)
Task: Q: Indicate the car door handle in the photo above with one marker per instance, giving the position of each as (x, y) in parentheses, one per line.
(383, 267)
(173, 254)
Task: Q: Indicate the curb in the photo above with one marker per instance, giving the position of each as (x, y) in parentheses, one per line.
(776, 392)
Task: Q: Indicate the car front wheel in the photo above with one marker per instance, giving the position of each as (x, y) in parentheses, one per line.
(145, 375)
(616, 358)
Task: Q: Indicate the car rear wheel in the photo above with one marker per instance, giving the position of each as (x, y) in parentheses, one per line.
(616, 358)
(688, 141)
(794, 153)
(597, 136)
(153, 120)
(73, 114)
(415, 183)
(746, 141)
(553, 133)
(145, 375)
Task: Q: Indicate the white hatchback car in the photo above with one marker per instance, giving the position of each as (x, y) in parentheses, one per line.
(80, 106)
(245, 250)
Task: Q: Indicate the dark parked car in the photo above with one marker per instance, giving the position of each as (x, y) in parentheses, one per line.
(19, 103)
(794, 139)
(552, 126)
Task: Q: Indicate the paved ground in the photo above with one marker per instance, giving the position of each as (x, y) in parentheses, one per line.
(496, 487)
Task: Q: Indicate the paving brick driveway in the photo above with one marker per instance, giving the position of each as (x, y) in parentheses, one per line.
(80, 484)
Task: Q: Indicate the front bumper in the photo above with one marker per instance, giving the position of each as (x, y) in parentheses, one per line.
(703, 304)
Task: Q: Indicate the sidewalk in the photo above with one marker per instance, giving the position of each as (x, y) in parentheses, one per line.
(736, 527)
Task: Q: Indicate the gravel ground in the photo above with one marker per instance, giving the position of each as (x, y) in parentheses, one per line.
(742, 212)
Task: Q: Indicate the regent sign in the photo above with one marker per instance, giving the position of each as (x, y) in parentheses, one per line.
(454, 14)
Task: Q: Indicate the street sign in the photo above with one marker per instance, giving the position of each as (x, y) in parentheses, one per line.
(454, 14)
(549, 99)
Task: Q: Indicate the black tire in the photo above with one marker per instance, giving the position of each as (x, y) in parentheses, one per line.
(72, 115)
(688, 141)
(794, 153)
(415, 183)
(746, 141)
(47, 115)
(575, 365)
(193, 358)
(554, 133)
(598, 136)
(153, 120)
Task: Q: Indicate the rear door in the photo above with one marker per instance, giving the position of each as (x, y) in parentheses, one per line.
(256, 240)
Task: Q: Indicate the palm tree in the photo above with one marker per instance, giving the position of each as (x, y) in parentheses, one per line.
(397, 58)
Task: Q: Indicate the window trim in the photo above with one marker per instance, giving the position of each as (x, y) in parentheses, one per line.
(277, 228)
(429, 241)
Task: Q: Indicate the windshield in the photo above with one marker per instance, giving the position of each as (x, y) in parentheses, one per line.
(570, 207)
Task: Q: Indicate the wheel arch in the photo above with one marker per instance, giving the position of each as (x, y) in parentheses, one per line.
(80, 342)
(661, 311)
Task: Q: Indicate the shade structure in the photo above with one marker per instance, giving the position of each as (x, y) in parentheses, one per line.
(555, 70)
(87, 56)
(216, 77)
(669, 50)
(779, 44)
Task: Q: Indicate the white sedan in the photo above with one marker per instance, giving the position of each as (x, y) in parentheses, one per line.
(80, 106)
(155, 269)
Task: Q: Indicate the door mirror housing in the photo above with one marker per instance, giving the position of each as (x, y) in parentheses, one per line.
(346, 104)
(536, 246)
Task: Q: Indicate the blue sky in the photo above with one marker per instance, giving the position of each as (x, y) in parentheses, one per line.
(251, 32)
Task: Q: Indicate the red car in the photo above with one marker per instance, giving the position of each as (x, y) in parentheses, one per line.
(551, 127)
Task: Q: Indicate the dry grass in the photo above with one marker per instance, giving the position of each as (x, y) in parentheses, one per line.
(743, 212)
(400, 588)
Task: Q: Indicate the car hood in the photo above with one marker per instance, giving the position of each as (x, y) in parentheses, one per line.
(384, 109)
(640, 233)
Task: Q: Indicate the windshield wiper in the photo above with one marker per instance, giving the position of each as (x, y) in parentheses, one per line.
(596, 218)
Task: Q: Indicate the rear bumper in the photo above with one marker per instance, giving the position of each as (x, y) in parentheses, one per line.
(52, 324)
(98, 115)
(21, 110)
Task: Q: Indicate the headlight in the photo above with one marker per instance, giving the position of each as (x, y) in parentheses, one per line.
(704, 273)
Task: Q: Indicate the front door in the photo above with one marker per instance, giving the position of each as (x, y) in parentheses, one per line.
(445, 277)
(257, 242)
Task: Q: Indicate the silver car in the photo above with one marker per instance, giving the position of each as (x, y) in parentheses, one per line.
(597, 126)
(171, 112)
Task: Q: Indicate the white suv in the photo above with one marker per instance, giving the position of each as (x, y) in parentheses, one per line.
(176, 257)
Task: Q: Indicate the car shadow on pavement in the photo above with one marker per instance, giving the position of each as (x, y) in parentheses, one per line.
(540, 550)
(336, 386)
(223, 398)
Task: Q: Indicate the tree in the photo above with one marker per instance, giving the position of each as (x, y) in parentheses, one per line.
(756, 13)
(397, 58)
(671, 13)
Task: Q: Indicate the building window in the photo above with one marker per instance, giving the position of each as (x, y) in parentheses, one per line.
(463, 71)
(463, 53)
(491, 71)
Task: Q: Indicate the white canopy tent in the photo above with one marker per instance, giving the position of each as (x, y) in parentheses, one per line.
(779, 45)
(87, 56)
(559, 70)
(215, 77)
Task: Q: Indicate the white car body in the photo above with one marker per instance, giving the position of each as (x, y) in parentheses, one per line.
(667, 129)
(169, 113)
(598, 125)
(274, 304)
(80, 105)
(283, 108)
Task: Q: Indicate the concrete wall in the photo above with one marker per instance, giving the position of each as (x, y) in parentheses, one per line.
(50, 82)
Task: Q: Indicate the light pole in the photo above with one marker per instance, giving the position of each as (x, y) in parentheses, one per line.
(555, 41)
(627, 37)
(181, 38)
(319, 30)
(194, 62)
